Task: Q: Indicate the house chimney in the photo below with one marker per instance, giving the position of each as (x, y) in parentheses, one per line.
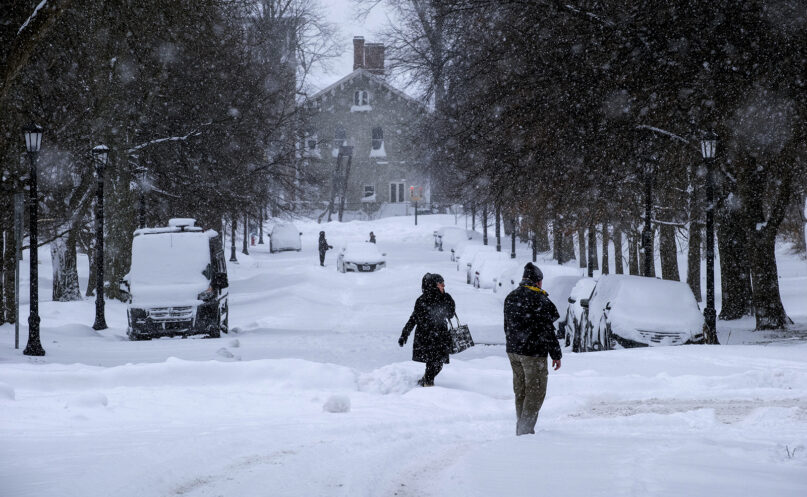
(374, 58)
(358, 52)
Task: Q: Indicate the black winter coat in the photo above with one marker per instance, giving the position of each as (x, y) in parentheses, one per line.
(323, 244)
(432, 341)
(528, 318)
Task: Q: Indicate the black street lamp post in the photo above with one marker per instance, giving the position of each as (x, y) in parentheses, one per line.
(708, 149)
(647, 232)
(233, 223)
(100, 156)
(33, 140)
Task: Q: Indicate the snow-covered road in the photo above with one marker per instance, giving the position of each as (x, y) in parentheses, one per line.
(243, 415)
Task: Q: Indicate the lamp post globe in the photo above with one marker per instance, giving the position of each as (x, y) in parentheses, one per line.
(101, 156)
(33, 140)
(708, 151)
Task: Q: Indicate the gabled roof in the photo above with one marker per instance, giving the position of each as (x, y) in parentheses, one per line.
(370, 76)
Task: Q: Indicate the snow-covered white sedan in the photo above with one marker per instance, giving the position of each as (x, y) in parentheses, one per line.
(284, 236)
(488, 266)
(638, 311)
(360, 257)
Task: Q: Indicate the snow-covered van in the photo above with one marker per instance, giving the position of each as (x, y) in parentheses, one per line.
(177, 282)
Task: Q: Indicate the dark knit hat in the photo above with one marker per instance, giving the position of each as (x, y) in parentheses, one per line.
(532, 273)
(436, 278)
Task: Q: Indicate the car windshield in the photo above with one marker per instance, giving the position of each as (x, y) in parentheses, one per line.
(364, 251)
(169, 259)
(650, 292)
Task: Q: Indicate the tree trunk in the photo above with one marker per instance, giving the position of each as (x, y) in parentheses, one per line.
(93, 274)
(120, 221)
(498, 224)
(606, 239)
(9, 262)
(581, 247)
(735, 270)
(652, 256)
(762, 231)
(592, 250)
(618, 258)
(668, 250)
(3, 273)
(769, 311)
(541, 236)
(568, 246)
(800, 208)
(245, 249)
(485, 224)
(633, 253)
(557, 242)
(694, 260)
(65, 274)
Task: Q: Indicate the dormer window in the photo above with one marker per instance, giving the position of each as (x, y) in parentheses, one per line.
(361, 98)
(361, 101)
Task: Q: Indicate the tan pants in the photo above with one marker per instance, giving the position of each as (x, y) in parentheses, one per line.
(529, 385)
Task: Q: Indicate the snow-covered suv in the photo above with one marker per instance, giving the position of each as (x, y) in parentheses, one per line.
(177, 282)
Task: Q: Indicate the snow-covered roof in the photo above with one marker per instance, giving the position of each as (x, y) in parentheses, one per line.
(370, 76)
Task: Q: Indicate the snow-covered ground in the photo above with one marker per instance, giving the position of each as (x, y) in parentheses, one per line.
(310, 395)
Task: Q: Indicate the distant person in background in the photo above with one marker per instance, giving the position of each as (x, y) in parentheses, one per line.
(323, 247)
(530, 335)
(372, 237)
(432, 342)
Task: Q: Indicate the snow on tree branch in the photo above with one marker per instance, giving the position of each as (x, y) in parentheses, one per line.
(37, 9)
(168, 139)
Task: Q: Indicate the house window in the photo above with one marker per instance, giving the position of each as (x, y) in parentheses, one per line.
(339, 138)
(378, 138)
(311, 145)
(361, 97)
(396, 192)
(369, 190)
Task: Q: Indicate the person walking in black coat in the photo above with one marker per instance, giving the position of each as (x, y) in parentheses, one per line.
(323, 247)
(530, 335)
(372, 237)
(432, 341)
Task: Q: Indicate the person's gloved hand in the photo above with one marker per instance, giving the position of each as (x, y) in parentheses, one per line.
(401, 341)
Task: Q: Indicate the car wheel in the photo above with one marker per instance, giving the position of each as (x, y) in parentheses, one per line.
(567, 334)
(608, 338)
(604, 334)
(585, 338)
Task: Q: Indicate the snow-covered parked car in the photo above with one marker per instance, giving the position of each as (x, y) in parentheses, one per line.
(466, 251)
(637, 311)
(177, 282)
(473, 263)
(284, 236)
(490, 266)
(360, 257)
(448, 237)
(574, 320)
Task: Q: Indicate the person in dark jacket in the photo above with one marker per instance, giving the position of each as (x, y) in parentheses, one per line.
(530, 335)
(372, 237)
(323, 247)
(432, 341)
